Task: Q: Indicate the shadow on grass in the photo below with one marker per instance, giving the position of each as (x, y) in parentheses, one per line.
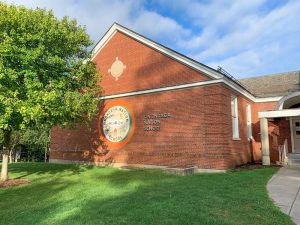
(27, 169)
(112, 196)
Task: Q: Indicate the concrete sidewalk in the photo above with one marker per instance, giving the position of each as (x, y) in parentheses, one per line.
(284, 189)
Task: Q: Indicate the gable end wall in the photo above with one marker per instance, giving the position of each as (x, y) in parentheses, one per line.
(145, 69)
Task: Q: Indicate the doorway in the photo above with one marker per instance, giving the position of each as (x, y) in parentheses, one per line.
(296, 135)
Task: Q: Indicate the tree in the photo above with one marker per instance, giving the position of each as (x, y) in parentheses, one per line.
(36, 142)
(46, 76)
(14, 142)
(37, 139)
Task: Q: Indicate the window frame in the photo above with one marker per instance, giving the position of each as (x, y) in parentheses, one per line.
(235, 118)
(249, 121)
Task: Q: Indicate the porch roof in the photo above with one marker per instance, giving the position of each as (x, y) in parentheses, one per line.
(279, 113)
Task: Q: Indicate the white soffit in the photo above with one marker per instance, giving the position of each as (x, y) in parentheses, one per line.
(279, 113)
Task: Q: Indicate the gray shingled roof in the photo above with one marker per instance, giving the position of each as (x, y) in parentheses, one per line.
(273, 85)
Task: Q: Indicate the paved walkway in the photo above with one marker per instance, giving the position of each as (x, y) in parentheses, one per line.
(284, 189)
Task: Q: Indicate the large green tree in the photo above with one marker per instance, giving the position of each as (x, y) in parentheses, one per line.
(46, 76)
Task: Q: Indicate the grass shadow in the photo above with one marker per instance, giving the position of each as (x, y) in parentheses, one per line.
(113, 196)
(36, 168)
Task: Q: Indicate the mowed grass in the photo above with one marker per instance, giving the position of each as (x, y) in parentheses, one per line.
(70, 194)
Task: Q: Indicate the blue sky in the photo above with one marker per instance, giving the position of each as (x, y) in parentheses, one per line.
(245, 37)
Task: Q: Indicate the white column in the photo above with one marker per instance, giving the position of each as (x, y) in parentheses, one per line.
(264, 135)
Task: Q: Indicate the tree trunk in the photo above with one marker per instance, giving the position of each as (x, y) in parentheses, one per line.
(46, 154)
(4, 174)
(6, 150)
(11, 156)
(16, 156)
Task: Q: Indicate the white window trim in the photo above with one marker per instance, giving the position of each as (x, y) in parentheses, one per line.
(249, 121)
(235, 120)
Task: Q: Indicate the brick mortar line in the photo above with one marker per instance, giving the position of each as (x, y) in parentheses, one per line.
(292, 206)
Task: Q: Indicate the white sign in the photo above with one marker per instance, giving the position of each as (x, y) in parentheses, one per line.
(116, 124)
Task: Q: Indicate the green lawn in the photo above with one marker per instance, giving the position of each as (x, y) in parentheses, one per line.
(69, 194)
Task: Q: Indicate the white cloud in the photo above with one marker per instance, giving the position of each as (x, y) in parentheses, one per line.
(201, 41)
(269, 38)
(248, 62)
(244, 37)
(155, 25)
(99, 15)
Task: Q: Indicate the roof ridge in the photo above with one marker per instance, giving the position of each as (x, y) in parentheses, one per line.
(270, 75)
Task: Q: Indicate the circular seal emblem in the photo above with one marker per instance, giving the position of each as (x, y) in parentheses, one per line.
(116, 124)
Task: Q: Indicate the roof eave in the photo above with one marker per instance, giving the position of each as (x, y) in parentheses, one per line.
(164, 50)
(210, 72)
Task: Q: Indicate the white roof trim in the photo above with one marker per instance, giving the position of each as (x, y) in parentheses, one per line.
(171, 88)
(268, 99)
(279, 113)
(115, 27)
(248, 95)
(190, 85)
(238, 89)
(279, 105)
(103, 41)
(185, 60)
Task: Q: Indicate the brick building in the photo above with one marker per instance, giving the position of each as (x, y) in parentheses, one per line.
(163, 109)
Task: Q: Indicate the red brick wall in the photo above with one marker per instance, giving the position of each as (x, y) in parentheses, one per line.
(145, 67)
(241, 150)
(198, 133)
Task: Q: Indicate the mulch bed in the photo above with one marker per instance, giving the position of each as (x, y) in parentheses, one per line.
(252, 166)
(13, 183)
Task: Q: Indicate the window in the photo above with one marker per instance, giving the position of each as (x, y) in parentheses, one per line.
(235, 119)
(249, 121)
